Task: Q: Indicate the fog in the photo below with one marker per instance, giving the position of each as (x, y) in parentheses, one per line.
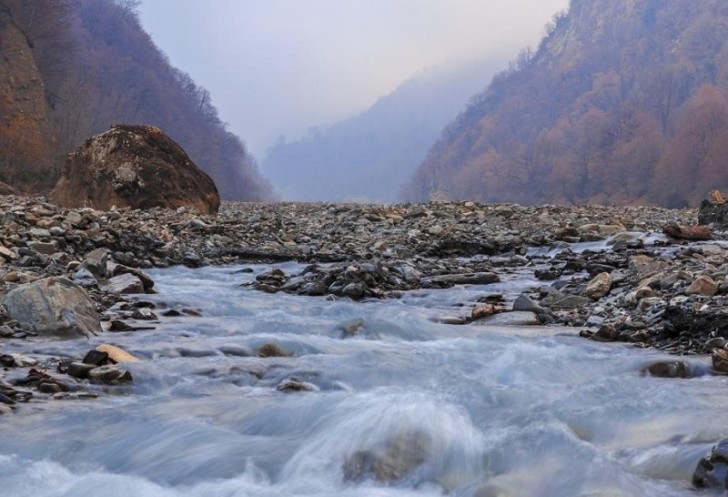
(278, 67)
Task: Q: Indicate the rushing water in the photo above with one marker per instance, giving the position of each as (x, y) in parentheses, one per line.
(491, 412)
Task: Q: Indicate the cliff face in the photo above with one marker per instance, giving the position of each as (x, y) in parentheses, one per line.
(25, 125)
(624, 101)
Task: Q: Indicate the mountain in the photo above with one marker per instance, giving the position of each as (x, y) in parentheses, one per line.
(623, 102)
(71, 68)
(369, 156)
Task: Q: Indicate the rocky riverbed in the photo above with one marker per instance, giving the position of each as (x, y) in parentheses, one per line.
(611, 270)
(648, 276)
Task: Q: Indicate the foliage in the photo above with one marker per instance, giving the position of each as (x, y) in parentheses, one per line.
(624, 102)
(100, 67)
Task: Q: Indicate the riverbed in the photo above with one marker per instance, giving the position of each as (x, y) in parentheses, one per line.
(371, 398)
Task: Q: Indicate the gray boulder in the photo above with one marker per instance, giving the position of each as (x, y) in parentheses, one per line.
(712, 470)
(53, 307)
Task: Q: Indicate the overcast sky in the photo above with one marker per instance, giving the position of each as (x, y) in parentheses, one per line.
(280, 66)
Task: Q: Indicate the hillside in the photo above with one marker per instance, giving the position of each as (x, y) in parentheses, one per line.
(369, 156)
(624, 101)
(93, 65)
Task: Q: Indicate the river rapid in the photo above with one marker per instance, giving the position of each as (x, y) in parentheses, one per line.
(472, 410)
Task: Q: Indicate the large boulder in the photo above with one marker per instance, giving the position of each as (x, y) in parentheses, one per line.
(54, 307)
(134, 166)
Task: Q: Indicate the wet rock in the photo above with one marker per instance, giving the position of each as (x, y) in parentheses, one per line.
(79, 369)
(712, 470)
(134, 166)
(109, 374)
(669, 369)
(391, 461)
(465, 279)
(54, 307)
(295, 385)
(271, 350)
(96, 358)
(116, 354)
(606, 333)
(720, 360)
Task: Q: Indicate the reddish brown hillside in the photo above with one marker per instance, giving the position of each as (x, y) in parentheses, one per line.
(625, 101)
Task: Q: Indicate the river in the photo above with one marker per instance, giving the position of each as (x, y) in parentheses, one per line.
(399, 405)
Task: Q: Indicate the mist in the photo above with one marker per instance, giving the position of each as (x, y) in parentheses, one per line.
(277, 68)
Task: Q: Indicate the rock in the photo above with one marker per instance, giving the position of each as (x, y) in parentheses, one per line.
(720, 360)
(525, 303)
(95, 262)
(606, 333)
(395, 459)
(117, 354)
(54, 307)
(271, 350)
(354, 290)
(109, 374)
(712, 470)
(465, 279)
(485, 310)
(124, 284)
(79, 369)
(669, 369)
(599, 286)
(517, 318)
(714, 211)
(134, 166)
(561, 301)
(694, 233)
(703, 285)
(96, 358)
(295, 385)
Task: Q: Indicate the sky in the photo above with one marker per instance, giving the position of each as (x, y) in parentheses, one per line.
(279, 67)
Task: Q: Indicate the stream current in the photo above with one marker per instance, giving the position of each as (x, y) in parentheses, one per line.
(487, 411)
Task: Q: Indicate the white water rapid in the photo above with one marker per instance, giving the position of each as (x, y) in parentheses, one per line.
(404, 407)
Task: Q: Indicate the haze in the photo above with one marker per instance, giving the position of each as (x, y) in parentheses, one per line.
(278, 67)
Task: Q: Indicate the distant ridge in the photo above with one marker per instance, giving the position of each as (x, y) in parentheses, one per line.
(623, 102)
(369, 156)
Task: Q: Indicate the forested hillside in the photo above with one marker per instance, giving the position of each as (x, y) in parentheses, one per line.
(97, 67)
(370, 156)
(624, 101)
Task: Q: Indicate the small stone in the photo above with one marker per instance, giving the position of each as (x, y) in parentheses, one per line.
(96, 358)
(271, 350)
(117, 354)
(720, 360)
(525, 303)
(79, 369)
(669, 369)
(110, 374)
(483, 311)
(124, 284)
(607, 333)
(703, 285)
(599, 286)
(295, 385)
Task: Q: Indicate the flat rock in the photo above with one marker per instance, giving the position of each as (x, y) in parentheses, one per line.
(516, 318)
(124, 284)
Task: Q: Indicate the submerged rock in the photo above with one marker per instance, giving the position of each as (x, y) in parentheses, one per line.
(394, 460)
